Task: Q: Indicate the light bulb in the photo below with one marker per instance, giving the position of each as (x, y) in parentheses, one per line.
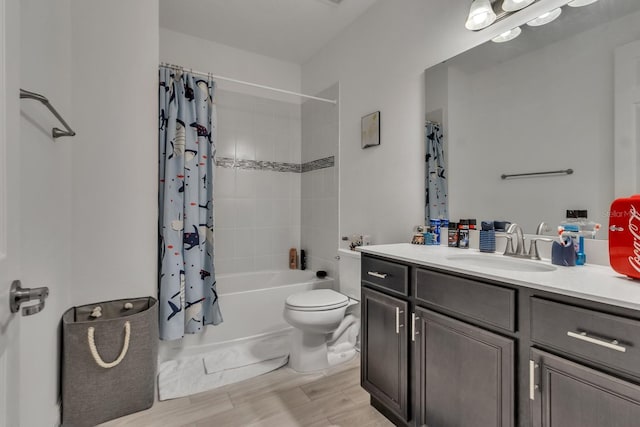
(580, 3)
(545, 18)
(513, 5)
(481, 15)
(507, 35)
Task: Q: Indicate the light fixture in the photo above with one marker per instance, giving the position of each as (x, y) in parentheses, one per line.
(580, 3)
(545, 18)
(481, 15)
(513, 5)
(507, 35)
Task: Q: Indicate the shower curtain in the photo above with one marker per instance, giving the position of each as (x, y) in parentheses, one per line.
(187, 146)
(436, 180)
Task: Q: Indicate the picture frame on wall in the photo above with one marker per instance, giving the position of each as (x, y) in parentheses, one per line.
(371, 130)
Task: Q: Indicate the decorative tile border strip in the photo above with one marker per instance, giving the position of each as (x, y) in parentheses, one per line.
(228, 162)
(327, 162)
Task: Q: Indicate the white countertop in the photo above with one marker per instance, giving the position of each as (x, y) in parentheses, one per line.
(591, 282)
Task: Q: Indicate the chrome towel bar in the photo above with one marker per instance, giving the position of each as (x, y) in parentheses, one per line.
(55, 132)
(519, 175)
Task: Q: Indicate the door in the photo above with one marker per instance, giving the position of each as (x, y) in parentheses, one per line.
(465, 374)
(385, 358)
(567, 394)
(9, 212)
(627, 120)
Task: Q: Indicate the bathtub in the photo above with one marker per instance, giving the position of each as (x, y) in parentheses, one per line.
(252, 305)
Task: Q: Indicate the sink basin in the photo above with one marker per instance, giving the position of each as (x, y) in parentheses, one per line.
(502, 263)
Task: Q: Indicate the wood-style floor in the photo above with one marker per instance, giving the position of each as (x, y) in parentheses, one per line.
(282, 398)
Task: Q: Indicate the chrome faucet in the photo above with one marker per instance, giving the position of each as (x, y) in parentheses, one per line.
(515, 230)
(543, 227)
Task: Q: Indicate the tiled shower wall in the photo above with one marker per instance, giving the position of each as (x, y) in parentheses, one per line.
(257, 214)
(319, 223)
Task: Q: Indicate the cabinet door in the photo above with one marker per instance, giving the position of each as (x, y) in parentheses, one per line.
(567, 394)
(385, 359)
(466, 374)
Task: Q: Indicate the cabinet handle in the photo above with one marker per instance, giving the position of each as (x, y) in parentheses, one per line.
(376, 274)
(583, 336)
(413, 326)
(532, 380)
(398, 325)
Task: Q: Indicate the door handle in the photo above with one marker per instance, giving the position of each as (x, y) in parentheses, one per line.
(19, 295)
(583, 336)
(376, 274)
(413, 326)
(398, 325)
(532, 380)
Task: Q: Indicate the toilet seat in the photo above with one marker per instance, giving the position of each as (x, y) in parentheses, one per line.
(316, 300)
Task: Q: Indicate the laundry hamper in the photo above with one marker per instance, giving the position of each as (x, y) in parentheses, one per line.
(109, 360)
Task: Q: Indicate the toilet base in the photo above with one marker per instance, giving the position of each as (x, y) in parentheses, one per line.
(308, 351)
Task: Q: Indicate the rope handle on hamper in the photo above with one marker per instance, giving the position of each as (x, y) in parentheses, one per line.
(94, 350)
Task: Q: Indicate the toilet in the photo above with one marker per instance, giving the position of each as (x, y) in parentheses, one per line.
(326, 322)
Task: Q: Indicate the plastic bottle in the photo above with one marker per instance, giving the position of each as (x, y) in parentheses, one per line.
(463, 234)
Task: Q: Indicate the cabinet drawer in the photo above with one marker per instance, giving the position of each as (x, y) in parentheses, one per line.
(610, 340)
(487, 303)
(385, 274)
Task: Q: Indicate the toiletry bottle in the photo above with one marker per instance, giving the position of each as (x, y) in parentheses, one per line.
(444, 232)
(293, 258)
(463, 234)
(452, 235)
(303, 260)
(581, 258)
(435, 229)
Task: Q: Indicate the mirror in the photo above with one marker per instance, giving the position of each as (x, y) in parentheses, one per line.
(541, 102)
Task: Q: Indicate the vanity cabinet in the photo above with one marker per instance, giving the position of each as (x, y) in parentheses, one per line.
(465, 374)
(384, 350)
(445, 349)
(568, 394)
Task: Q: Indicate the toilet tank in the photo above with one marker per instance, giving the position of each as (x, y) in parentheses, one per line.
(349, 271)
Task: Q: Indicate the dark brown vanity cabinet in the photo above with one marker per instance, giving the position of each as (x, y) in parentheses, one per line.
(424, 368)
(568, 394)
(442, 349)
(465, 374)
(565, 393)
(385, 351)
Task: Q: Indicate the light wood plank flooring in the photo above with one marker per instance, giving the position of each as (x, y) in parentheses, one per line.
(282, 398)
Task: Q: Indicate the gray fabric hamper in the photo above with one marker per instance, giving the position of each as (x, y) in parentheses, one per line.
(117, 376)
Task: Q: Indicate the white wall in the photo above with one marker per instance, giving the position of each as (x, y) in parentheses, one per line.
(211, 57)
(379, 61)
(45, 184)
(115, 155)
(551, 107)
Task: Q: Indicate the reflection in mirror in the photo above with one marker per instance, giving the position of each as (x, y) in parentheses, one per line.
(543, 101)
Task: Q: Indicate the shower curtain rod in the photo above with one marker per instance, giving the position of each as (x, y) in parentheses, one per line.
(228, 79)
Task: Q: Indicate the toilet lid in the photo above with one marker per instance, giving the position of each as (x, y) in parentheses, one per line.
(317, 300)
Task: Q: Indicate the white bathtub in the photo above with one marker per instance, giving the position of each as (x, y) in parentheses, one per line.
(252, 305)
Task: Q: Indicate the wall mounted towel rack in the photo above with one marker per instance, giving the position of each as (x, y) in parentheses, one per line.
(520, 175)
(55, 132)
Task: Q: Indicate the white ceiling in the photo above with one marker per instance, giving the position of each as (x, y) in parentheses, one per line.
(290, 30)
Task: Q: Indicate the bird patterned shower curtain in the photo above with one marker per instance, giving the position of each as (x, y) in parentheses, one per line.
(437, 206)
(187, 147)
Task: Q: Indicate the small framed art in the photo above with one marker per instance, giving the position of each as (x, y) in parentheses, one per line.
(371, 130)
